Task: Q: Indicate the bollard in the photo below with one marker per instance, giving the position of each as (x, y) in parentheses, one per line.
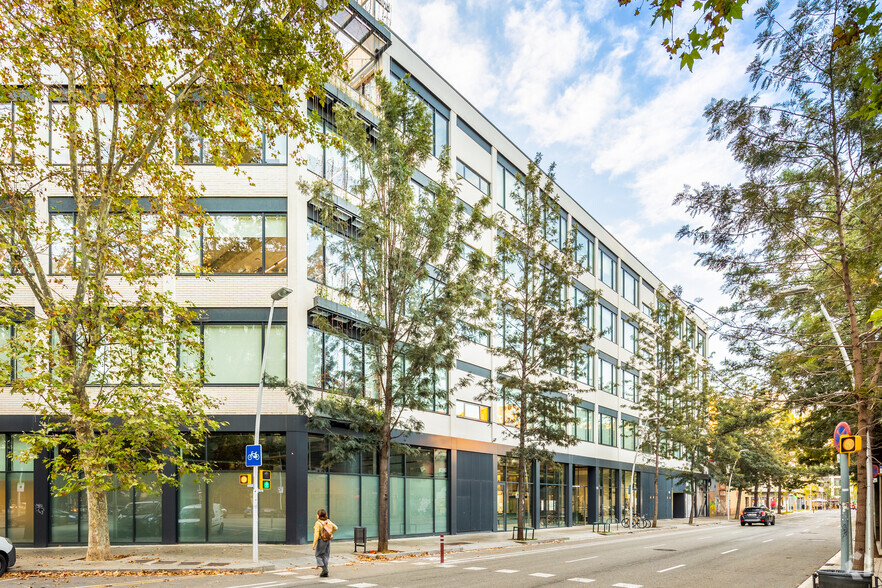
(442, 548)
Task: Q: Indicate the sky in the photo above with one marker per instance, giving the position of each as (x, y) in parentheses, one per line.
(587, 84)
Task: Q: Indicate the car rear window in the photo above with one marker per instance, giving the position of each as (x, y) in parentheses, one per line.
(753, 509)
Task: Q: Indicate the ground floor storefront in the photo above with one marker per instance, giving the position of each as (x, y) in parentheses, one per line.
(443, 485)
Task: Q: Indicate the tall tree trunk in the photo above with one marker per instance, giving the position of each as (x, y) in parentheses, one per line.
(522, 488)
(778, 505)
(694, 502)
(737, 502)
(768, 495)
(383, 506)
(96, 497)
(756, 495)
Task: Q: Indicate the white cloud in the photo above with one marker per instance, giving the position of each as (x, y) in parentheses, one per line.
(440, 35)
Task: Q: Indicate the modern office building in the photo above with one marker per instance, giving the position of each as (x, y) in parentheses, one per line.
(460, 480)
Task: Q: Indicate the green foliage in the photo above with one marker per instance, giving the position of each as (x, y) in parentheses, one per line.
(128, 90)
(407, 272)
(541, 333)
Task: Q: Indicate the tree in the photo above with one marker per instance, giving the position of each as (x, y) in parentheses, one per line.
(128, 92)
(541, 334)
(406, 268)
(668, 387)
(856, 23)
(799, 232)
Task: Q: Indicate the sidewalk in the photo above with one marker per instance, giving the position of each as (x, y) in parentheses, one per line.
(201, 557)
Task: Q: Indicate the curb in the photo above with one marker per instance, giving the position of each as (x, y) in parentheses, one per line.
(81, 568)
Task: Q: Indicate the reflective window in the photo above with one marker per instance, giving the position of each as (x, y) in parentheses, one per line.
(472, 177)
(470, 410)
(630, 286)
(579, 298)
(584, 424)
(342, 169)
(608, 269)
(509, 190)
(607, 323)
(630, 381)
(629, 336)
(607, 430)
(629, 435)
(583, 370)
(584, 247)
(232, 353)
(251, 148)
(608, 371)
(242, 244)
(701, 343)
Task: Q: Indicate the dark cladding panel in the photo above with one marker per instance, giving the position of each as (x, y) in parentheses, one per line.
(475, 481)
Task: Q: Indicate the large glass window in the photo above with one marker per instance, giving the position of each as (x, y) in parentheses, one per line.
(629, 434)
(701, 343)
(326, 254)
(627, 489)
(507, 493)
(629, 336)
(584, 247)
(232, 353)
(440, 122)
(509, 190)
(630, 381)
(607, 323)
(556, 227)
(551, 495)
(16, 490)
(607, 488)
(418, 492)
(473, 411)
(344, 170)
(472, 177)
(579, 297)
(242, 244)
(251, 148)
(608, 380)
(607, 430)
(584, 424)
(608, 269)
(630, 286)
(220, 511)
(583, 370)
(335, 364)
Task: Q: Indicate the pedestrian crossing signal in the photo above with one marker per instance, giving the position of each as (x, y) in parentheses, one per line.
(245, 479)
(265, 483)
(849, 444)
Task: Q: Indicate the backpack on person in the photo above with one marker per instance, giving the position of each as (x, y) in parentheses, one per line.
(326, 533)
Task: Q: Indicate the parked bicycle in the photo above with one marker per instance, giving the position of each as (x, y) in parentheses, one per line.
(636, 522)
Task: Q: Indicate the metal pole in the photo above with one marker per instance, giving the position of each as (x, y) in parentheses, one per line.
(869, 548)
(838, 339)
(254, 481)
(844, 513)
(631, 497)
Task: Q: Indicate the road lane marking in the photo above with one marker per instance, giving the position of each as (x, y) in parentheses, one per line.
(507, 571)
(767, 540)
(259, 585)
(361, 585)
(581, 559)
(284, 573)
(445, 566)
(541, 575)
(730, 551)
(474, 569)
(331, 580)
(423, 563)
(671, 568)
(622, 585)
(580, 580)
(788, 534)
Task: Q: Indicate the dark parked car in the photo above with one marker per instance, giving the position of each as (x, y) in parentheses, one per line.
(757, 514)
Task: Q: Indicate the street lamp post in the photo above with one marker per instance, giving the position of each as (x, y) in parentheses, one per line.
(255, 490)
(729, 485)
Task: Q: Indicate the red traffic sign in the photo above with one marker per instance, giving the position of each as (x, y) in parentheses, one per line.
(875, 470)
(841, 429)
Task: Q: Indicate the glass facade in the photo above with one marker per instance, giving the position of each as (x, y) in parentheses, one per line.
(607, 430)
(232, 353)
(583, 494)
(607, 490)
(608, 269)
(220, 511)
(507, 494)
(607, 323)
(626, 493)
(552, 495)
(253, 243)
(16, 491)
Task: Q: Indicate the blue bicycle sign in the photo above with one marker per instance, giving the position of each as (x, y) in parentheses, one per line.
(253, 456)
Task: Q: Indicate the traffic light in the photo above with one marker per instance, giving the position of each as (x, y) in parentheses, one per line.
(265, 483)
(245, 479)
(849, 444)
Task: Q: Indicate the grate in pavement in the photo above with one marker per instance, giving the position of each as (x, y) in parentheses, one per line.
(215, 564)
(662, 549)
(143, 560)
(459, 543)
(190, 563)
(164, 562)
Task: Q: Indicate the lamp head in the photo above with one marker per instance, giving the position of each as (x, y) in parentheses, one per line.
(280, 293)
(795, 291)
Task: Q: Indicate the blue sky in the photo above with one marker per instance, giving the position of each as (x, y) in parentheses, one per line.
(588, 85)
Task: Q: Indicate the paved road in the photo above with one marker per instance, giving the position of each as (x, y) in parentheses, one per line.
(715, 555)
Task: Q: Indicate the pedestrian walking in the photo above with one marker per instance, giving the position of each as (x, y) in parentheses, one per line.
(323, 532)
